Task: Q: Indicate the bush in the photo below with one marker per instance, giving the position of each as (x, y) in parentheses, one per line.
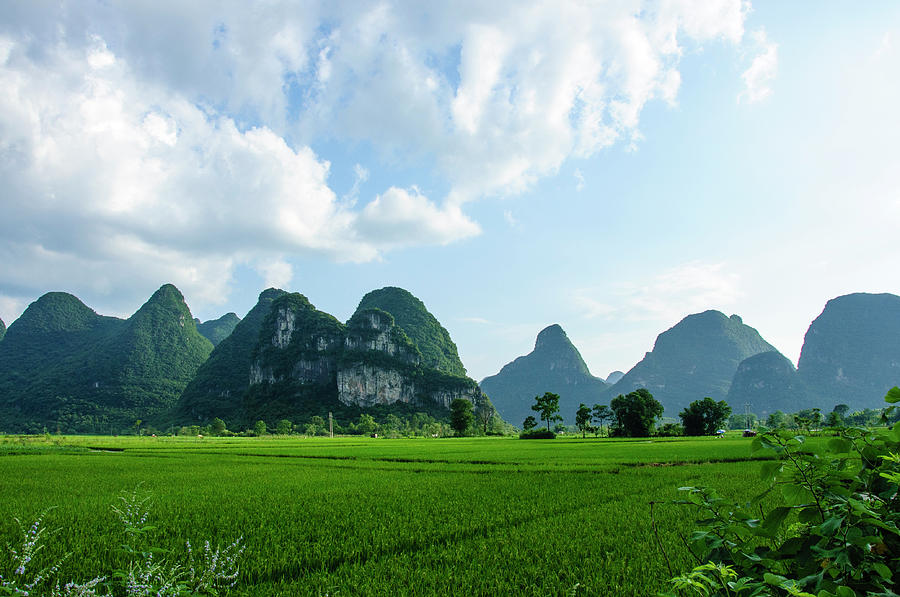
(670, 430)
(834, 532)
(537, 434)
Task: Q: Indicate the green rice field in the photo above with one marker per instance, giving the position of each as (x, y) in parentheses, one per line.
(361, 516)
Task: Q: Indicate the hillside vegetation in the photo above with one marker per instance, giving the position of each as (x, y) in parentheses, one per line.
(63, 365)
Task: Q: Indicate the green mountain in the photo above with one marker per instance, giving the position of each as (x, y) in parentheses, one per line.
(2, 329)
(63, 366)
(555, 365)
(216, 330)
(696, 358)
(438, 350)
(851, 352)
(220, 383)
(768, 382)
(287, 359)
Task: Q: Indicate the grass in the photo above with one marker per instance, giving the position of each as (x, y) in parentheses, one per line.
(360, 516)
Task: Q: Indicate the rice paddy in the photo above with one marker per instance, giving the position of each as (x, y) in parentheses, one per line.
(361, 516)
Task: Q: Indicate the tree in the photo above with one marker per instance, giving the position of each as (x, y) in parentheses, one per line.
(705, 417)
(583, 418)
(259, 428)
(366, 424)
(548, 406)
(284, 427)
(217, 427)
(777, 420)
(836, 417)
(742, 421)
(601, 414)
(461, 416)
(485, 413)
(636, 413)
(808, 418)
(529, 423)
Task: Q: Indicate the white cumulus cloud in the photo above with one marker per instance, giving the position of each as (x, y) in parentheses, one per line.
(172, 141)
(758, 78)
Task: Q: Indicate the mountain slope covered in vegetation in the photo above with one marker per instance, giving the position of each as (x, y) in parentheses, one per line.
(438, 349)
(64, 366)
(216, 330)
(555, 365)
(698, 357)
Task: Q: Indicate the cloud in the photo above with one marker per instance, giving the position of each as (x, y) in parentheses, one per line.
(276, 274)
(109, 177)
(494, 96)
(758, 78)
(510, 218)
(667, 296)
(400, 217)
(579, 180)
(172, 141)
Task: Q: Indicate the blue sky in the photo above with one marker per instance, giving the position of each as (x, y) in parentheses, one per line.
(610, 167)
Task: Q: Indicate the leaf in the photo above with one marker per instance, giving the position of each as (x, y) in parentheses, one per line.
(883, 570)
(769, 469)
(796, 495)
(774, 519)
(893, 395)
(830, 526)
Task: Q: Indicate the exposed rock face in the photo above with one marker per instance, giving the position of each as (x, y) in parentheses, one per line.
(367, 385)
(696, 358)
(768, 382)
(555, 366)
(375, 330)
(851, 352)
(296, 342)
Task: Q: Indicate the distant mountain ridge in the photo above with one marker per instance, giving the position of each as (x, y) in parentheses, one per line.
(555, 365)
(62, 364)
(851, 351)
(697, 357)
(216, 330)
(768, 382)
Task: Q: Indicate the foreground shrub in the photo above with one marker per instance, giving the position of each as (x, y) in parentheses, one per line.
(537, 434)
(211, 572)
(834, 531)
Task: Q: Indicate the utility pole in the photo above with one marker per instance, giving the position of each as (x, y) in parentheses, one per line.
(747, 415)
(330, 425)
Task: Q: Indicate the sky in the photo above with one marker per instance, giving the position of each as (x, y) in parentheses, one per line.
(608, 166)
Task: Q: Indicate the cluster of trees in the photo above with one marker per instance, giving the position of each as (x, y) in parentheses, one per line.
(389, 425)
(635, 414)
(468, 419)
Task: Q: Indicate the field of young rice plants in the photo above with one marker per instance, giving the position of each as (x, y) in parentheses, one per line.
(361, 516)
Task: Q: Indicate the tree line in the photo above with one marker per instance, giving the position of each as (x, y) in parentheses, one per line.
(638, 413)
